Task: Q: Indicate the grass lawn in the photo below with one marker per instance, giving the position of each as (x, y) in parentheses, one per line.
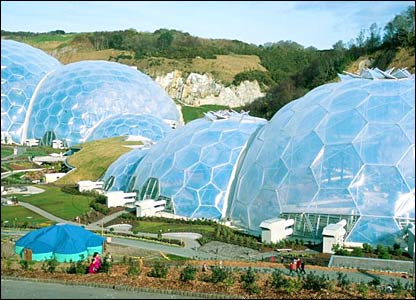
(191, 113)
(21, 215)
(155, 226)
(6, 151)
(94, 158)
(58, 203)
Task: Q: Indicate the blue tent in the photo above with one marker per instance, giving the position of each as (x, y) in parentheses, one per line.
(63, 241)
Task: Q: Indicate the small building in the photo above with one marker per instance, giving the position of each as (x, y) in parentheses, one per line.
(87, 185)
(119, 198)
(333, 234)
(58, 144)
(32, 142)
(275, 230)
(148, 208)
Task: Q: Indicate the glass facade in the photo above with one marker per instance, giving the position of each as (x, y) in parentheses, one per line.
(80, 96)
(121, 172)
(194, 166)
(345, 149)
(22, 68)
(146, 127)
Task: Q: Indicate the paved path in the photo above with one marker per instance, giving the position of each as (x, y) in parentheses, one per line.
(193, 253)
(12, 289)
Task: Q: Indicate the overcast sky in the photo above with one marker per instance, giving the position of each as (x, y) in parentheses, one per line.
(309, 23)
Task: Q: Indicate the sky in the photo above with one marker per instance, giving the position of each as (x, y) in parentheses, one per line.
(310, 23)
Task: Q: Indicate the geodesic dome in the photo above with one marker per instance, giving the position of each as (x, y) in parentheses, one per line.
(22, 68)
(193, 167)
(121, 172)
(79, 96)
(144, 126)
(345, 150)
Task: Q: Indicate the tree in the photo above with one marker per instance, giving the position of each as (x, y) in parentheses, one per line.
(165, 40)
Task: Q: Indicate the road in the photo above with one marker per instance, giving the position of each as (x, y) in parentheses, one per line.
(12, 289)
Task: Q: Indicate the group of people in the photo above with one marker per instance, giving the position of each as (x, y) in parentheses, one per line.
(95, 264)
(298, 265)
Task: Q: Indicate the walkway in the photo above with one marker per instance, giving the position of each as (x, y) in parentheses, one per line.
(223, 254)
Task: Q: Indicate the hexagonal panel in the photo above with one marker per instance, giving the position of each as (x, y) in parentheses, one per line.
(406, 167)
(185, 202)
(302, 151)
(376, 190)
(334, 202)
(342, 127)
(336, 166)
(381, 144)
(384, 109)
(374, 230)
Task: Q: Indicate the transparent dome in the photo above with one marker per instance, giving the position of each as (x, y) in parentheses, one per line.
(192, 168)
(79, 96)
(146, 127)
(121, 172)
(22, 68)
(343, 151)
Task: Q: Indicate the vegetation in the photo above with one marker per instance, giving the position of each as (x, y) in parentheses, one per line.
(18, 216)
(93, 159)
(191, 113)
(58, 203)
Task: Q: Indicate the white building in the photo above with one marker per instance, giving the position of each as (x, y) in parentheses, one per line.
(32, 142)
(87, 185)
(119, 198)
(148, 208)
(275, 230)
(333, 234)
(58, 144)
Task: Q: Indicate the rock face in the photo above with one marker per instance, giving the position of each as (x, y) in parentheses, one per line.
(199, 89)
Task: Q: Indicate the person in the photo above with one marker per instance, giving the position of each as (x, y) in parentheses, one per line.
(292, 267)
(298, 263)
(302, 267)
(97, 258)
(220, 264)
(204, 267)
(282, 259)
(93, 266)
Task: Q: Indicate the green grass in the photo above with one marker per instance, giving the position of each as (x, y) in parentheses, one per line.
(156, 226)
(20, 215)
(6, 152)
(15, 179)
(58, 203)
(94, 158)
(40, 151)
(191, 113)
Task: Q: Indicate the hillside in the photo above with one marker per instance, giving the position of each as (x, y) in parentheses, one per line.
(94, 158)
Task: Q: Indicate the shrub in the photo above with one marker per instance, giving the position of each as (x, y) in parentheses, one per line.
(49, 266)
(316, 283)
(375, 282)
(159, 270)
(363, 289)
(248, 280)
(219, 274)
(342, 280)
(188, 273)
(134, 268)
(77, 268)
(278, 279)
(106, 264)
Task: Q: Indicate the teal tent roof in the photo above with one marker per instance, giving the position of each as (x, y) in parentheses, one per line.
(60, 239)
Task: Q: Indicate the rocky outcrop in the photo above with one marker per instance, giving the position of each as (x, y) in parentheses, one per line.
(199, 89)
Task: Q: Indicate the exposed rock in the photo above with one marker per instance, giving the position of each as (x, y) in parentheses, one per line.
(199, 89)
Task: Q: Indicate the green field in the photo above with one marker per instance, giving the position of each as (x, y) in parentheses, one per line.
(191, 113)
(156, 226)
(94, 158)
(58, 203)
(18, 215)
(6, 151)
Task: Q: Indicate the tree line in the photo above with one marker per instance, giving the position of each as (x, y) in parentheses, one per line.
(292, 70)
